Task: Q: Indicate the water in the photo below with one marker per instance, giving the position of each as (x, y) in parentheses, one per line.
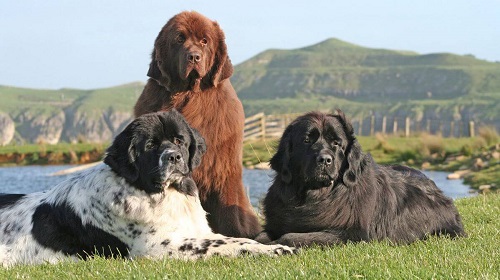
(29, 179)
(258, 181)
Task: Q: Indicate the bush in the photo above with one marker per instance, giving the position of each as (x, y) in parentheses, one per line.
(431, 144)
(489, 134)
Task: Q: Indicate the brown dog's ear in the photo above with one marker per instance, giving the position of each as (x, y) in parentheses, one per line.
(154, 72)
(121, 155)
(356, 161)
(222, 67)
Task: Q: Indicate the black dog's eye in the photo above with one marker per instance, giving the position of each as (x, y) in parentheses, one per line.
(337, 143)
(307, 140)
(177, 141)
(204, 42)
(180, 39)
(150, 145)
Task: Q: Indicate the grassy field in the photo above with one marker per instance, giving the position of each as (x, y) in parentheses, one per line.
(474, 257)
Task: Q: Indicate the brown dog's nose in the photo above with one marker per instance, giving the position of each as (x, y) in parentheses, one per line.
(194, 57)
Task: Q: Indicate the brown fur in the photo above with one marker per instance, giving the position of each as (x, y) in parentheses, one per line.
(190, 71)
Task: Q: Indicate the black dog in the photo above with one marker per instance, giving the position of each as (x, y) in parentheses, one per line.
(327, 191)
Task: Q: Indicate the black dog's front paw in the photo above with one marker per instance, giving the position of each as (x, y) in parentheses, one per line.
(263, 237)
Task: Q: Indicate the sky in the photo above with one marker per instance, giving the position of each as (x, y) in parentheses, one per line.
(92, 44)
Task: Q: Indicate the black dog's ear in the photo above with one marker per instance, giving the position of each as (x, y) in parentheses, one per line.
(222, 67)
(280, 162)
(356, 161)
(121, 155)
(196, 149)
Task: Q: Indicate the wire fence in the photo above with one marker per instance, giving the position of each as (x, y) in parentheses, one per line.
(261, 126)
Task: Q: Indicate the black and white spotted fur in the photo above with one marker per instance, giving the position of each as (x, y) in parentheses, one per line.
(140, 202)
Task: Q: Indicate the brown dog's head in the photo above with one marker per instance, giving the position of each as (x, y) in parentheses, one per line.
(190, 54)
(318, 150)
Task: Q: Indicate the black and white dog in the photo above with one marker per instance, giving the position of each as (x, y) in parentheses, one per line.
(141, 202)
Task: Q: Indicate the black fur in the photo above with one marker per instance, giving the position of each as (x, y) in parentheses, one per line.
(327, 191)
(7, 200)
(59, 228)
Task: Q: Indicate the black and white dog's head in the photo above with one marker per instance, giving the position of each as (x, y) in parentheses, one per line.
(155, 151)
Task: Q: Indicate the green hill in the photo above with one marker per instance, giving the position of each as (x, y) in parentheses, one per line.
(337, 68)
(331, 74)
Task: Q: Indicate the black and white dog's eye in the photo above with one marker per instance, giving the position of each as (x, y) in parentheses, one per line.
(337, 143)
(177, 141)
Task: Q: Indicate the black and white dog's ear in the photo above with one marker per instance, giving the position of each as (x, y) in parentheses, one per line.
(356, 160)
(121, 155)
(280, 162)
(196, 149)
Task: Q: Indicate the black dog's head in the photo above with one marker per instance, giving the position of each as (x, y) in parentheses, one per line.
(317, 150)
(156, 150)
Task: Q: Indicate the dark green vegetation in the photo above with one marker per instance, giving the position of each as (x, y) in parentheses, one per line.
(62, 153)
(474, 257)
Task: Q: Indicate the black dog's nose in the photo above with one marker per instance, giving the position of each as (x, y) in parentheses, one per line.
(325, 159)
(174, 157)
(194, 57)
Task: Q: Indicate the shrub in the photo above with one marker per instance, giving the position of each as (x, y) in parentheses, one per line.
(489, 134)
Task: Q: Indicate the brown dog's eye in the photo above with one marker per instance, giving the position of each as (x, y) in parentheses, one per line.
(180, 39)
(204, 42)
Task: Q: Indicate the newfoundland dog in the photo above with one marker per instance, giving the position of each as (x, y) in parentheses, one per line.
(190, 71)
(327, 191)
(141, 202)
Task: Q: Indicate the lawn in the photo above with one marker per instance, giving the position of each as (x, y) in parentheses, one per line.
(474, 257)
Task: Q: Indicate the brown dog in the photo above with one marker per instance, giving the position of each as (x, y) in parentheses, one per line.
(190, 71)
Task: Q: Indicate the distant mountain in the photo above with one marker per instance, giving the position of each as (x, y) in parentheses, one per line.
(341, 69)
(332, 74)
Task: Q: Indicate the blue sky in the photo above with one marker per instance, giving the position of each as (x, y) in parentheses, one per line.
(93, 44)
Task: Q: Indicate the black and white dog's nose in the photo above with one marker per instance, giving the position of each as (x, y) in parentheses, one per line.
(173, 157)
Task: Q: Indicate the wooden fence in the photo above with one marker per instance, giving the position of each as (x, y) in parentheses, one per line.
(261, 126)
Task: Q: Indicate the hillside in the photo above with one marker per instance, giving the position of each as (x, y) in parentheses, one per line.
(331, 74)
(337, 68)
(65, 115)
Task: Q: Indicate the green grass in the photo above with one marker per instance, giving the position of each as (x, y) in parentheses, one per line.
(61, 147)
(474, 257)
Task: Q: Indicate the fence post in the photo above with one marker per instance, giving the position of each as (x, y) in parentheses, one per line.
(263, 126)
(471, 129)
(384, 124)
(428, 126)
(395, 126)
(372, 125)
(407, 127)
(452, 129)
(360, 128)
